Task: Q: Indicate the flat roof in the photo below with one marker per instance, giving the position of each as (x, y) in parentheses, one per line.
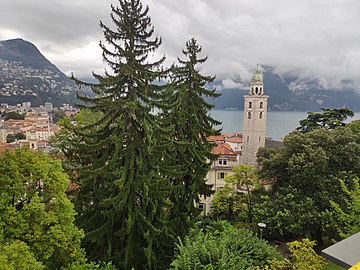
(345, 253)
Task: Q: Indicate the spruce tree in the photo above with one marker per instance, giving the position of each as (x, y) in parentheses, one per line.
(191, 125)
(121, 195)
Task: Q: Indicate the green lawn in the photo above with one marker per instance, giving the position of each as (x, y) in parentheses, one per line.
(332, 266)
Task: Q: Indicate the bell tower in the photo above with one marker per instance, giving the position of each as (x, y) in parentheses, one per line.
(254, 124)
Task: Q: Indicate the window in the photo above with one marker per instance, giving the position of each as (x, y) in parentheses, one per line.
(223, 162)
(259, 139)
(261, 105)
(250, 104)
(221, 175)
(260, 115)
(202, 207)
(256, 90)
(249, 115)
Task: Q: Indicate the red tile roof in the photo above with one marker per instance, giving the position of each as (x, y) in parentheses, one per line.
(223, 149)
(219, 138)
(234, 139)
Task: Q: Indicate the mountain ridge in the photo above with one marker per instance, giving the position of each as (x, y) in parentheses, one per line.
(26, 75)
(281, 98)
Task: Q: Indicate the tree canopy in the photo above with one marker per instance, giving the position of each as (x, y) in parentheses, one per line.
(236, 200)
(330, 118)
(354, 125)
(189, 153)
(225, 247)
(121, 193)
(14, 115)
(314, 171)
(36, 217)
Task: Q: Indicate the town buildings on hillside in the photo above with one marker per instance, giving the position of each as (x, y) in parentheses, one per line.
(34, 130)
(20, 80)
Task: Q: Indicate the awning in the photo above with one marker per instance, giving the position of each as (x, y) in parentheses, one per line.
(345, 253)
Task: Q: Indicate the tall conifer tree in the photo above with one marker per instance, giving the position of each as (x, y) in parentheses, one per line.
(121, 194)
(191, 125)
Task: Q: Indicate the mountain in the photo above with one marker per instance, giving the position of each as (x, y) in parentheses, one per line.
(26, 75)
(288, 93)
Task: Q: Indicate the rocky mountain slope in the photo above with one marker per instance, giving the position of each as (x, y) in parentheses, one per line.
(26, 75)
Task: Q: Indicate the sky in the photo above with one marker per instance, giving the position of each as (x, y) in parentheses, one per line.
(310, 39)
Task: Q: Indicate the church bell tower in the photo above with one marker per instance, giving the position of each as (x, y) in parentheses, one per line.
(254, 124)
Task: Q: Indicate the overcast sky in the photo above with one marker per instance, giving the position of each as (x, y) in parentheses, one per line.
(313, 39)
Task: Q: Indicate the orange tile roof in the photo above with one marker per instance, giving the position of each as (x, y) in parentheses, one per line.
(223, 149)
(6, 146)
(216, 138)
(234, 139)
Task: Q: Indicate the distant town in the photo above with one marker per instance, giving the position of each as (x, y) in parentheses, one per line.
(34, 128)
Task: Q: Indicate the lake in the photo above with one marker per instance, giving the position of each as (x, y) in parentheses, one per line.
(279, 124)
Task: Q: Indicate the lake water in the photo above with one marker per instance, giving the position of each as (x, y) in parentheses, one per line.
(278, 125)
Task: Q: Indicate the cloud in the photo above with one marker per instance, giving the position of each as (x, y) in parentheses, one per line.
(230, 84)
(313, 39)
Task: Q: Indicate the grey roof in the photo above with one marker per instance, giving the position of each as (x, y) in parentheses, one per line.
(269, 142)
(345, 253)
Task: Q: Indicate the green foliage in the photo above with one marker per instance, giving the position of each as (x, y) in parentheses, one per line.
(345, 214)
(90, 266)
(66, 140)
(34, 208)
(17, 255)
(227, 248)
(330, 118)
(354, 126)
(332, 266)
(121, 194)
(314, 171)
(188, 154)
(20, 136)
(14, 116)
(10, 138)
(302, 256)
(236, 200)
(246, 181)
(226, 204)
(57, 115)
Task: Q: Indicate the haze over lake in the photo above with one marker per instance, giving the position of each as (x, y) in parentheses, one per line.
(279, 124)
